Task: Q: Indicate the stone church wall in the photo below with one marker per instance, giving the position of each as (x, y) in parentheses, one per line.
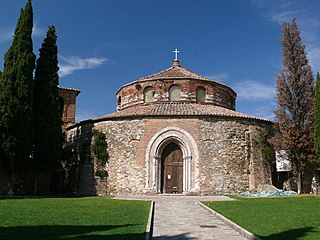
(232, 159)
(230, 151)
(79, 141)
(126, 174)
(224, 165)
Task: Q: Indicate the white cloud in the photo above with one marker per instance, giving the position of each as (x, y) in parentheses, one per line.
(264, 112)
(221, 76)
(281, 17)
(314, 58)
(307, 18)
(71, 64)
(6, 34)
(37, 31)
(253, 90)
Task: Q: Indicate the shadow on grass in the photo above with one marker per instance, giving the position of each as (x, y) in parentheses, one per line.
(293, 234)
(13, 197)
(67, 232)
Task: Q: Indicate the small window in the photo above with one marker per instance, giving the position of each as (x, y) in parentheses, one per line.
(148, 94)
(201, 94)
(174, 93)
(119, 100)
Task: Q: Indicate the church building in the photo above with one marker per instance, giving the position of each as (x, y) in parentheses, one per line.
(175, 132)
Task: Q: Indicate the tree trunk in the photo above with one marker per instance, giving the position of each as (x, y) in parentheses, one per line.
(299, 182)
(11, 183)
(35, 182)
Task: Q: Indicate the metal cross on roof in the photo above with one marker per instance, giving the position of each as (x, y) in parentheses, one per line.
(176, 51)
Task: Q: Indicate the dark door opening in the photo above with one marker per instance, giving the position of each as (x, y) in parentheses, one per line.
(172, 169)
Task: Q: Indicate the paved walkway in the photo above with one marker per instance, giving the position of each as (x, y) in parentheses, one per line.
(181, 217)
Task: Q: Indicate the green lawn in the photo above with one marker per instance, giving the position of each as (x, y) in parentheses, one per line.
(72, 218)
(275, 218)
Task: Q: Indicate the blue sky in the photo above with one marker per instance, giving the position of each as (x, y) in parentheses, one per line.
(104, 44)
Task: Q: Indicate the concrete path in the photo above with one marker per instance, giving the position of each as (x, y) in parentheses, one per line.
(181, 217)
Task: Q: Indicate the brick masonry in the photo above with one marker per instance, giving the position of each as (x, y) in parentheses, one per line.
(68, 96)
(216, 94)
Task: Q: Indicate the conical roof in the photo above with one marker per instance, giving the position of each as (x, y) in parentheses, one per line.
(176, 71)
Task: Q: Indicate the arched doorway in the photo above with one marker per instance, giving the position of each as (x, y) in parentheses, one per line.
(165, 144)
(172, 169)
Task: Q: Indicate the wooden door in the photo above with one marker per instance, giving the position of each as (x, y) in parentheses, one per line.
(172, 169)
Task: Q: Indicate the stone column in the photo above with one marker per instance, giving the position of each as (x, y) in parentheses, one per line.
(148, 172)
(189, 159)
(155, 173)
(187, 173)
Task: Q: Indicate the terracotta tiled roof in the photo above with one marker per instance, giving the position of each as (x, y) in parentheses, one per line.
(70, 89)
(176, 72)
(177, 109)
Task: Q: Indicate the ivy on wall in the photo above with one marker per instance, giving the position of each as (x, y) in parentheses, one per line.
(99, 151)
(99, 147)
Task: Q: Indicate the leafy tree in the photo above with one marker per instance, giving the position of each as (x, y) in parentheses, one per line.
(317, 118)
(295, 97)
(99, 147)
(47, 113)
(16, 97)
(99, 150)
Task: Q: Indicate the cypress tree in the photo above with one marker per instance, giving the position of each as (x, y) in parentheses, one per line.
(295, 97)
(47, 113)
(317, 118)
(16, 97)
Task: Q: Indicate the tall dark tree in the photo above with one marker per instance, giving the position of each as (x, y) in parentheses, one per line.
(295, 97)
(16, 97)
(47, 114)
(317, 118)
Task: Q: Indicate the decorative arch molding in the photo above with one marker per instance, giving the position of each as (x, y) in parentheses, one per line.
(190, 158)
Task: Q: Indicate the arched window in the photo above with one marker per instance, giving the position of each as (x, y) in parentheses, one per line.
(148, 94)
(201, 94)
(174, 93)
(119, 100)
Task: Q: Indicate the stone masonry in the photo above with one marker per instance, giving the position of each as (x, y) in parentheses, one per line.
(220, 150)
(228, 161)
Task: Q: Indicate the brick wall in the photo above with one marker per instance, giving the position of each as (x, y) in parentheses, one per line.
(69, 105)
(216, 94)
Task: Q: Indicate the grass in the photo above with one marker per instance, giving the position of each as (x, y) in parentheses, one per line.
(72, 218)
(275, 218)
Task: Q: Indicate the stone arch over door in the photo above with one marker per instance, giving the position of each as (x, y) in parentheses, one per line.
(190, 158)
